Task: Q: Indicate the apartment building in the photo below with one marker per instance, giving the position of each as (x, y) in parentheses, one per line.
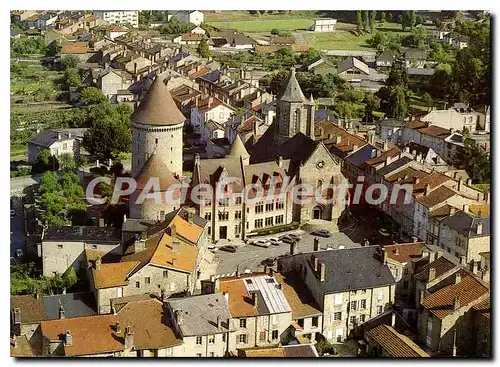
(123, 17)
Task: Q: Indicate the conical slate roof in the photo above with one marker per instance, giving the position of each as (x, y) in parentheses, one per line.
(291, 91)
(238, 149)
(158, 108)
(155, 167)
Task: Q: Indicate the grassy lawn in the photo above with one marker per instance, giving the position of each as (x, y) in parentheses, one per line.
(236, 15)
(264, 25)
(340, 40)
(18, 149)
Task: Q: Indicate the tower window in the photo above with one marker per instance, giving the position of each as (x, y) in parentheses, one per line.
(156, 141)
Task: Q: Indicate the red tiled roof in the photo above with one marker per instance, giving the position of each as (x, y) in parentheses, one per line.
(404, 252)
(436, 131)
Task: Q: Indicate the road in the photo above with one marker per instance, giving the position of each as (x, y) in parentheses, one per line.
(18, 184)
(17, 229)
(249, 257)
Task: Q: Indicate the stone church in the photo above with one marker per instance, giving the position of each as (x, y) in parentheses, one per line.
(287, 152)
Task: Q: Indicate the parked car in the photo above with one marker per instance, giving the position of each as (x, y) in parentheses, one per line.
(275, 241)
(294, 236)
(268, 262)
(19, 253)
(287, 239)
(322, 233)
(262, 243)
(228, 248)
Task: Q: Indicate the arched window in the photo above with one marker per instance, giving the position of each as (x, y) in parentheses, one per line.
(296, 121)
(319, 187)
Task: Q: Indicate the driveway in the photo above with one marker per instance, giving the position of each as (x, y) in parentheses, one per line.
(249, 257)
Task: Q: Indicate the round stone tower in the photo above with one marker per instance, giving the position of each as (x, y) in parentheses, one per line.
(157, 127)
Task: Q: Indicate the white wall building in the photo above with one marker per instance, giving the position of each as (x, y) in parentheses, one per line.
(119, 16)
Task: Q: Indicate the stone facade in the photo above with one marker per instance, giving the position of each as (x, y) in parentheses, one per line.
(165, 140)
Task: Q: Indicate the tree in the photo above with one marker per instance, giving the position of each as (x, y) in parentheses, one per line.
(398, 75)
(53, 48)
(71, 78)
(372, 20)
(70, 278)
(372, 103)
(364, 16)
(441, 81)
(382, 17)
(49, 182)
(203, 49)
(426, 99)
(69, 61)
(325, 347)
(398, 104)
(475, 161)
(275, 31)
(67, 162)
(359, 22)
(108, 137)
(91, 96)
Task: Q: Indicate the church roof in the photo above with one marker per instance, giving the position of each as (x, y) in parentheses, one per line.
(155, 167)
(238, 149)
(291, 91)
(158, 108)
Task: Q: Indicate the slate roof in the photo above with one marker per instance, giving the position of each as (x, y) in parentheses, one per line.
(158, 108)
(421, 71)
(32, 308)
(83, 234)
(466, 224)
(414, 53)
(441, 265)
(199, 314)
(352, 62)
(74, 305)
(392, 122)
(351, 269)
(325, 114)
(395, 344)
(386, 56)
(49, 137)
(291, 91)
(359, 157)
(394, 165)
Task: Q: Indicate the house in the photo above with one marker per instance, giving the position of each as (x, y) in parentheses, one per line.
(414, 58)
(400, 258)
(350, 285)
(443, 320)
(391, 129)
(115, 32)
(59, 141)
(292, 351)
(122, 17)
(352, 68)
(206, 109)
(320, 66)
(204, 323)
(195, 17)
(420, 75)
(259, 308)
(27, 311)
(126, 333)
(465, 235)
(384, 341)
(230, 40)
(80, 50)
(45, 20)
(458, 119)
(189, 39)
(198, 30)
(323, 25)
(482, 323)
(385, 59)
(64, 247)
(114, 82)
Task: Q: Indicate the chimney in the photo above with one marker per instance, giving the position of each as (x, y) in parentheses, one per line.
(427, 189)
(218, 321)
(173, 231)
(468, 182)
(59, 136)
(255, 125)
(118, 328)
(210, 101)
(129, 338)
(407, 149)
(417, 180)
(101, 222)
(280, 161)
(322, 270)
(14, 341)
(393, 319)
(355, 147)
(69, 135)
(338, 139)
(293, 248)
(316, 244)
(479, 229)
(439, 254)
(387, 160)
(226, 296)
(458, 277)
(459, 183)
(197, 159)
(68, 339)
(465, 208)
(315, 262)
(17, 315)
(255, 299)
(421, 295)
(456, 303)
(384, 255)
(414, 153)
(271, 271)
(124, 218)
(386, 145)
(432, 274)
(462, 260)
(98, 263)
(61, 312)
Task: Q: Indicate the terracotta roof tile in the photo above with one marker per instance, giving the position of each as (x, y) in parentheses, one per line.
(436, 196)
(75, 48)
(442, 265)
(468, 290)
(436, 131)
(91, 334)
(404, 252)
(410, 173)
(480, 210)
(328, 132)
(208, 104)
(187, 230)
(239, 298)
(417, 124)
(392, 152)
(113, 274)
(484, 307)
(433, 179)
(150, 332)
(395, 344)
(262, 352)
(298, 296)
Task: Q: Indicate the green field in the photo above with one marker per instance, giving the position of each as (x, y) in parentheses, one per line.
(264, 25)
(237, 15)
